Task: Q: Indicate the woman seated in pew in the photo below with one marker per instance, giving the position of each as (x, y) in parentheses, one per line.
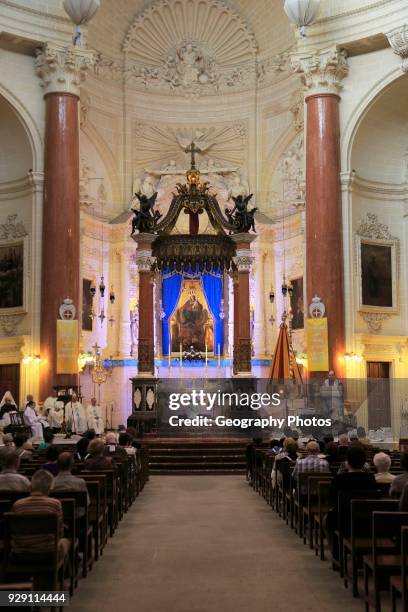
(399, 482)
(112, 448)
(382, 463)
(97, 459)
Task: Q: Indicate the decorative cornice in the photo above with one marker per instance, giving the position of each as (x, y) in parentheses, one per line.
(321, 71)
(398, 39)
(63, 69)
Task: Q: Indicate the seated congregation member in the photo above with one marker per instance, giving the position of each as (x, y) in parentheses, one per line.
(382, 463)
(403, 502)
(344, 467)
(10, 479)
(312, 462)
(97, 460)
(362, 436)
(20, 442)
(133, 434)
(125, 441)
(36, 422)
(83, 443)
(51, 456)
(401, 480)
(330, 453)
(65, 481)
(354, 479)
(47, 441)
(283, 463)
(342, 447)
(40, 503)
(112, 448)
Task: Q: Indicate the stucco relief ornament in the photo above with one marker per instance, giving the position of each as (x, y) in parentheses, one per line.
(12, 228)
(375, 320)
(10, 322)
(370, 227)
(398, 39)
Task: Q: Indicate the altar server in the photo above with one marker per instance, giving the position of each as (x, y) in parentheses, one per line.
(55, 412)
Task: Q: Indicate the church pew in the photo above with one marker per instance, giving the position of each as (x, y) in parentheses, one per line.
(380, 567)
(103, 497)
(323, 506)
(82, 524)
(111, 496)
(399, 584)
(311, 508)
(360, 539)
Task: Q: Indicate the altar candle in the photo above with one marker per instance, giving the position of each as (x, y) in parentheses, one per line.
(206, 354)
(219, 355)
(181, 355)
(170, 343)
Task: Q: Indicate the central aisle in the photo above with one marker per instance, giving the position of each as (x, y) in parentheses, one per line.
(207, 544)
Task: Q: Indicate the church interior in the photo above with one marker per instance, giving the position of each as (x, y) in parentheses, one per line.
(204, 199)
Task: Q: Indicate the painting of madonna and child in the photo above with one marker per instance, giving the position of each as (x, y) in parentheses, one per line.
(192, 325)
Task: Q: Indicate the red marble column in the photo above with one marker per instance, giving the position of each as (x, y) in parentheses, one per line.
(61, 237)
(144, 261)
(146, 324)
(242, 316)
(324, 248)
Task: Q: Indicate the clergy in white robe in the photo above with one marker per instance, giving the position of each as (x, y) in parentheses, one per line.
(34, 421)
(55, 414)
(94, 416)
(75, 416)
(49, 403)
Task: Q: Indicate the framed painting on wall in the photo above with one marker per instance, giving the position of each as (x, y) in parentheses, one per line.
(12, 290)
(297, 303)
(377, 275)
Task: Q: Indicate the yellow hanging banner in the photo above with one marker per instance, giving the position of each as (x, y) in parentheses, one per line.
(317, 345)
(67, 347)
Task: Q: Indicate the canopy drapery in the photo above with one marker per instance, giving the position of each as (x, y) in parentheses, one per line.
(212, 285)
(284, 365)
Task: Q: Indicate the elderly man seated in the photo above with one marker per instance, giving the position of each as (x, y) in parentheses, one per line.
(20, 442)
(40, 503)
(311, 463)
(382, 463)
(399, 482)
(10, 479)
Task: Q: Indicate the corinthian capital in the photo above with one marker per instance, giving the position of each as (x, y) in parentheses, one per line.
(321, 71)
(398, 39)
(62, 69)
